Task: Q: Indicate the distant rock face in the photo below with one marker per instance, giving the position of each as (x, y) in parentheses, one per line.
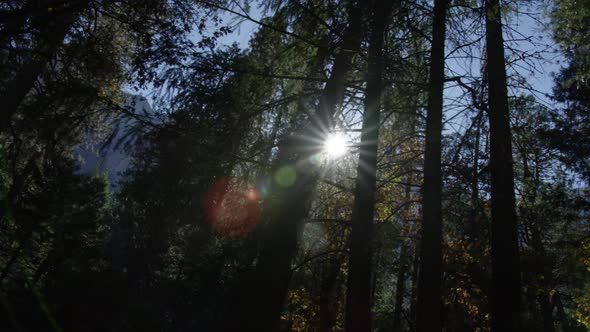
(109, 151)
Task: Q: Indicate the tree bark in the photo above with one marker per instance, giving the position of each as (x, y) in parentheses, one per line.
(429, 309)
(264, 291)
(358, 304)
(506, 289)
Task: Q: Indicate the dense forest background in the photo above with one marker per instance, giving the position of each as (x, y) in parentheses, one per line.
(358, 165)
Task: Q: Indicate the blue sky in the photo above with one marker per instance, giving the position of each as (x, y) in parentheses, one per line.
(537, 74)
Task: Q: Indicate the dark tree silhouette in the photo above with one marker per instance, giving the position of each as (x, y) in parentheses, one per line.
(506, 290)
(429, 310)
(358, 303)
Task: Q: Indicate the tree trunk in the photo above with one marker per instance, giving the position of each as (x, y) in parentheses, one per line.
(429, 310)
(544, 277)
(54, 25)
(264, 291)
(414, 291)
(475, 229)
(400, 289)
(358, 304)
(477, 269)
(506, 290)
(328, 294)
(543, 266)
(546, 312)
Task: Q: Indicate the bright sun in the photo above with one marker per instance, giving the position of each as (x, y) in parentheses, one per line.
(335, 145)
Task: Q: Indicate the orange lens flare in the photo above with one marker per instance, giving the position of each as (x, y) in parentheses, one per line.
(233, 209)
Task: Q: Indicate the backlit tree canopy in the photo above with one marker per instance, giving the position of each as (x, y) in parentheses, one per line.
(294, 165)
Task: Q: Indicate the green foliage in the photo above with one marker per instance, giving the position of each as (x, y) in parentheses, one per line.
(570, 21)
(76, 257)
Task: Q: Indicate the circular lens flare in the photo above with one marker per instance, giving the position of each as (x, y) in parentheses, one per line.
(335, 145)
(233, 208)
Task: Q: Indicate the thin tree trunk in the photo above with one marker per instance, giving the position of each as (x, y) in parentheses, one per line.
(475, 229)
(54, 26)
(429, 310)
(400, 289)
(328, 294)
(506, 290)
(543, 266)
(477, 270)
(546, 311)
(414, 291)
(358, 304)
(264, 291)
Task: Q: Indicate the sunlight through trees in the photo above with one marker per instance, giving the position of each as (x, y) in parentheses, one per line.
(294, 165)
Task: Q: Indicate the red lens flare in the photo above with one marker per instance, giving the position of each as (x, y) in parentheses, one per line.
(233, 208)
